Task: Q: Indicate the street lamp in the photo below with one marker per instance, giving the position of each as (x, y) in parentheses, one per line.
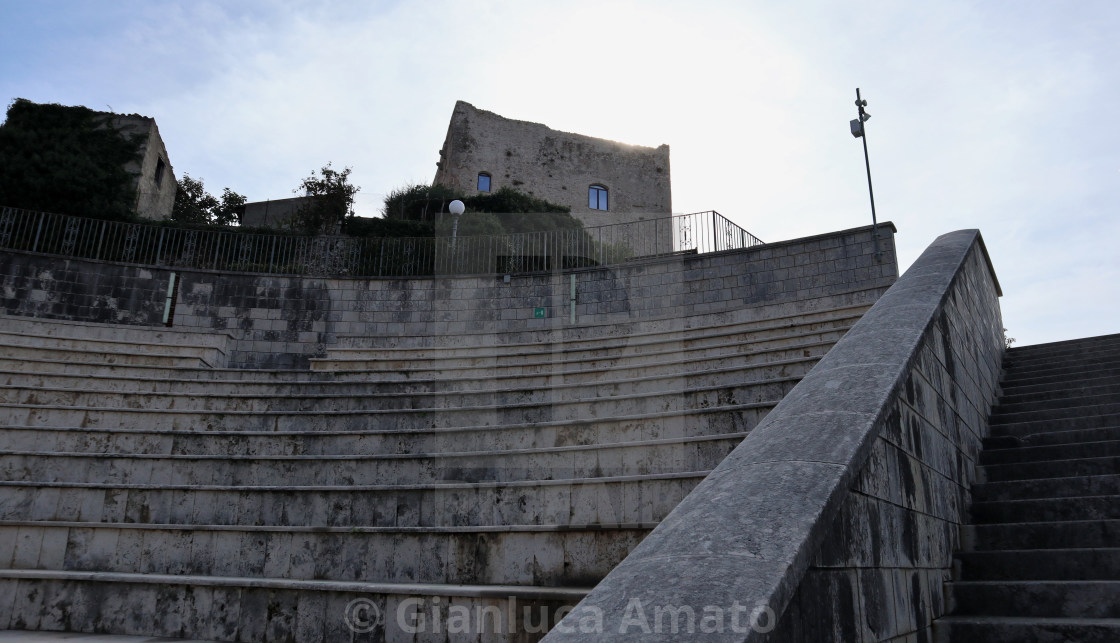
(456, 208)
(859, 130)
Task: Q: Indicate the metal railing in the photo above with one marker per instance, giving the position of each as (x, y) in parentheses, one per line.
(164, 246)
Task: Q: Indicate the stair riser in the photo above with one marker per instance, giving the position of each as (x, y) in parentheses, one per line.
(79, 347)
(409, 419)
(1062, 404)
(1021, 429)
(952, 632)
(618, 348)
(1046, 453)
(355, 387)
(267, 615)
(1058, 414)
(1065, 564)
(632, 365)
(1055, 438)
(1059, 376)
(1070, 488)
(1058, 535)
(595, 335)
(1102, 351)
(14, 369)
(1072, 390)
(1047, 600)
(1049, 510)
(1058, 388)
(1059, 469)
(18, 354)
(275, 403)
(204, 442)
(640, 501)
(603, 461)
(496, 558)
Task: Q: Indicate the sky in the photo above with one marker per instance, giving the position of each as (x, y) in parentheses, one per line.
(1002, 116)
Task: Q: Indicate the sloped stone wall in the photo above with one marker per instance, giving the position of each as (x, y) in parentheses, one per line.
(836, 518)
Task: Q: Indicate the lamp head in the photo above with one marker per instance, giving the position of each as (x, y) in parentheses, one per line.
(456, 207)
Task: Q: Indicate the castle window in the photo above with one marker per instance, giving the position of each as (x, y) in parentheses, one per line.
(597, 197)
(483, 182)
(159, 172)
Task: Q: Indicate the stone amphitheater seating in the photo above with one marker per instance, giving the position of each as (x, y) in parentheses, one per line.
(146, 489)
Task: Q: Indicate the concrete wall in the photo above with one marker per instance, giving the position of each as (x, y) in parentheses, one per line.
(282, 321)
(555, 166)
(272, 214)
(154, 199)
(836, 518)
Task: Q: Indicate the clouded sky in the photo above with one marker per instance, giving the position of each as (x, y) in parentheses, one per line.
(1002, 116)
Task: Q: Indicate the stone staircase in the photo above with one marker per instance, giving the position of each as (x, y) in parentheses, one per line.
(1041, 559)
(146, 490)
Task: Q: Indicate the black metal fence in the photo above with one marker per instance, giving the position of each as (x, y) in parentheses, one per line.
(163, 246)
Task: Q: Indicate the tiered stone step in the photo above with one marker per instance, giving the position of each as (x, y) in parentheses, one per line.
(505, 471)
(1041, 559)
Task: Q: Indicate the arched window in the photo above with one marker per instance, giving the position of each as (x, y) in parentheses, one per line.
(597, 197)
(483, 182)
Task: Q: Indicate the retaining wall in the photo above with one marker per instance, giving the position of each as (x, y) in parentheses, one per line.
(282, 321)
(836, 518)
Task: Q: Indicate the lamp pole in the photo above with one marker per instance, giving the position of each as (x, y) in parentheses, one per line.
(859, 130)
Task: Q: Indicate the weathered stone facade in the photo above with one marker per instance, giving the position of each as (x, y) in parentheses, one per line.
(555, 166)
(153, 175)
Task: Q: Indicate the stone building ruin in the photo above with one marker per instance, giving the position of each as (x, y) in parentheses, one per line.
(603, 182)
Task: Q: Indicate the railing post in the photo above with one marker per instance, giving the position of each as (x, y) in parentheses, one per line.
(38, 231)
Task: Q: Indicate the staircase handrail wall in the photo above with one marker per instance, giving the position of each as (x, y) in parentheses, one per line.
(837, 517)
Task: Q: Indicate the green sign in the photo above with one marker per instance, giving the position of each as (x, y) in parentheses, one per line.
(540, 313)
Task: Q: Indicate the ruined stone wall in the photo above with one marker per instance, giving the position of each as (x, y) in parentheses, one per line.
(154, 199)
(555, 166)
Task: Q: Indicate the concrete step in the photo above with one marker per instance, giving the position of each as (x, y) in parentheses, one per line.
(583, 461)
(1079, 534)
(1047, 509)
(1049, 452)
(273, 384)
(235, 399)
(88, 349)
(1015, 629)
(1066, 563)
(1099, 406)
(616, 347)
(649, 404)
(510, 555)
(22, 355)
(1107, 465)
(717, 356)
(268, 610)
(1046, 599)
(753, 319)
(1083, 343)
(1053, 438)
(1066, 390)
(202, 441)
(557, 342)
(1056, 403)
(636, 500)
(1022, 427)
(13, 370)
(1071, 487)
(1059, 374)
(1064, 351)
(156, 335)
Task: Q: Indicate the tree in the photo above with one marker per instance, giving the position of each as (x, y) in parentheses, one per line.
(193, 204)
(331, 200)
(66, 159)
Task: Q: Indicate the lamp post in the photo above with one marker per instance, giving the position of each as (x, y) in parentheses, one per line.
(859, 130)
(456, 208)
